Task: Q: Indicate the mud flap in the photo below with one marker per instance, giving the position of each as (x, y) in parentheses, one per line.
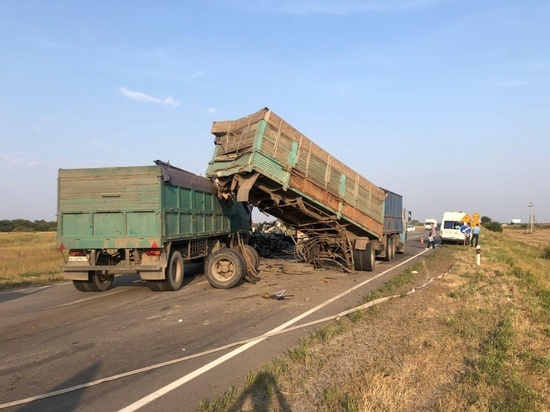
(245, 184)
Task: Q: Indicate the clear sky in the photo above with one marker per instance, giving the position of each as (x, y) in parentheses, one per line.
(446, 102)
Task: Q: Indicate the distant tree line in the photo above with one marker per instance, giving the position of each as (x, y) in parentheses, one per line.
(22, 225)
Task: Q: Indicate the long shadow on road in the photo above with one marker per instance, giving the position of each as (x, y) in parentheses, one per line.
(64, 402)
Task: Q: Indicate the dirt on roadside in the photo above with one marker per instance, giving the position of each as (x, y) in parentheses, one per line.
(395, 345)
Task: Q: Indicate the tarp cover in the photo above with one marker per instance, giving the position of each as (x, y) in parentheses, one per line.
(179, 177)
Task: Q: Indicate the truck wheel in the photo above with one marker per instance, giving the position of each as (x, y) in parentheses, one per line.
(400, 246)
(225, 268)
(369, 256)
(364, 259)
(99, 281)
(154, 285)
(82, 285)
(388, 249)
(357, 259)
(173, 274)
(252, 255)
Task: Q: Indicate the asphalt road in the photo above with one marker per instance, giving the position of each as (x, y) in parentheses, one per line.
(130, 348)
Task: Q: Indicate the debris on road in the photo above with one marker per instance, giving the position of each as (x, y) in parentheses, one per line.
(280, 295)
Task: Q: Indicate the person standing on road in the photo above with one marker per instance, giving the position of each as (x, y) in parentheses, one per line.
(468, 236)
(431, 236)
(475, 235)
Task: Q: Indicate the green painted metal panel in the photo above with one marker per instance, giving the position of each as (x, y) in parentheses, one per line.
(76, 224)
(185, 198)
(240, 218)
(109, 224)
(269, 167)
(135, 207)
(342, 190)
(171, 197)
(260, 134)
(293, 154)
(141, 223)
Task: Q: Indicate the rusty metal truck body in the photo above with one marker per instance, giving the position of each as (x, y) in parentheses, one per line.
(147, 220)
(263, 160)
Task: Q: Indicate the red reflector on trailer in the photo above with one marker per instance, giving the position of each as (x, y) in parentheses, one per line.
(62, 246)
(154, 245)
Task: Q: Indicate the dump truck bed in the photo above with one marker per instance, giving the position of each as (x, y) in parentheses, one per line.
(275, 167)
(136, 207)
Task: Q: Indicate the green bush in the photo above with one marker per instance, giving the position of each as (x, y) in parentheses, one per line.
(493, 226)
(546, 253)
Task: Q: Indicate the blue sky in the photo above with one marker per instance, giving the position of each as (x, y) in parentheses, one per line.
(446, 102)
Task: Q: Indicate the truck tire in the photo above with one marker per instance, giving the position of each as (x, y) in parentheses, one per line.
(365, 259)
(369, 257)
(99, 281)
(401, 246)
(225, 268)
(358, 259)
(388, 249)
(82, 285)
(174, 275)
(253, 255)
(154, 285)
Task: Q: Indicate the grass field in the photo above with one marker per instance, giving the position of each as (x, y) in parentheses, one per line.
(29, 259)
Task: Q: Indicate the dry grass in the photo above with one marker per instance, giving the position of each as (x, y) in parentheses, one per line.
(475, 340)
(28, 259)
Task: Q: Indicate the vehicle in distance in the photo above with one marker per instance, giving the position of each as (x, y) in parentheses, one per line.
(428, 223)
(451, 222)
(411, 228)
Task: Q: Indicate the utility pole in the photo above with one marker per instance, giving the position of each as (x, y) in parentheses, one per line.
(531, 218)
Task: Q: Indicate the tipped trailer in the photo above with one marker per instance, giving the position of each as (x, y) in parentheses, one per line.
(149, 220)
(263, 160)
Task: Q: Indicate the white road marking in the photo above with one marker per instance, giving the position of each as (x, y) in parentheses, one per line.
(190, 376)
(248, 343)
(99, 296)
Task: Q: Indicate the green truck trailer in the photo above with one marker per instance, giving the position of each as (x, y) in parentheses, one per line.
(148, 220)
(345, 218)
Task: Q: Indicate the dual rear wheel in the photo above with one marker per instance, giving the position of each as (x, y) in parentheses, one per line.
(98, 281)
(365, 259)
(391, 246)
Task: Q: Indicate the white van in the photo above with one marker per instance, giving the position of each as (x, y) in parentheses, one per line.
(428, 223)
(451, 222)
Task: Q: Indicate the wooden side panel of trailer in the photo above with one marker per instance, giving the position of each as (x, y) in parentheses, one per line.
(295, 173)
